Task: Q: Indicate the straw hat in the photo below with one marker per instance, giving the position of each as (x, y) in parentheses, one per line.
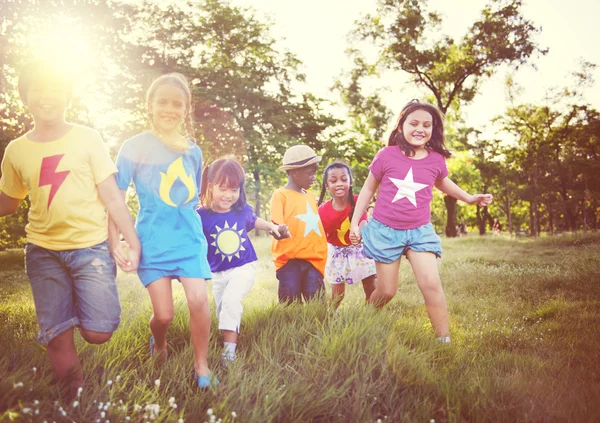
(299, 156)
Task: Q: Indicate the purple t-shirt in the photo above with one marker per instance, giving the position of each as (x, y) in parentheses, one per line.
(405, 191)
(227, 234)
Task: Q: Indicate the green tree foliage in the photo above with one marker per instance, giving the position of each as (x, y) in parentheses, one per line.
(408, 38)
(248, 99)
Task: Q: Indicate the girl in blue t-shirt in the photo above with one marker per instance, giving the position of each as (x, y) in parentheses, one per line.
(226, 220)
(165, 168)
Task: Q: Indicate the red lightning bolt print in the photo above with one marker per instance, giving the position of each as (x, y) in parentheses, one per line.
(49, 175)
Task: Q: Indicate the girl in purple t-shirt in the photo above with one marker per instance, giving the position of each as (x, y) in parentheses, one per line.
(405, 172)
(226, 220)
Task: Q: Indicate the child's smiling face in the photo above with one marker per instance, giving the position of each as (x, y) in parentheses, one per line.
(338, 182)
(417, 128)
(224, 197)
(168, 108)
(47, 101)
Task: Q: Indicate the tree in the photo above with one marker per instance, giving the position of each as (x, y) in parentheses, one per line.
(408, 39)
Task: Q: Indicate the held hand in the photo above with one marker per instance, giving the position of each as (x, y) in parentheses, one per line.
(134, 259)
(355, 236)
(122, 253)
(481, 199)
(279, 231)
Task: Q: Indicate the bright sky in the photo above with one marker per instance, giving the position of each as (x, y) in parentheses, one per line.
(315, 30)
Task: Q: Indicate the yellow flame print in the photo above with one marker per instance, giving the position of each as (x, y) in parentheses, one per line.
(174, 171)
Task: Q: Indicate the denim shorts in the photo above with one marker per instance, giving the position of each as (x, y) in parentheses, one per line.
(73, 288)
(298, 280)
(386, 245)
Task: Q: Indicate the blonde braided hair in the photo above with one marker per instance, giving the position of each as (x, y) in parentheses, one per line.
(178, 80)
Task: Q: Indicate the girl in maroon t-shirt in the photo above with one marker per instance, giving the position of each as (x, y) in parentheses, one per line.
(346, 263)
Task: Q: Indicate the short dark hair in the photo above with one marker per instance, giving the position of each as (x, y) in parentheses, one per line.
(42, 70)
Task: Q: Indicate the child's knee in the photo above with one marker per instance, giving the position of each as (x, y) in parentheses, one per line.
(163, 319)
(95, 337)
(197, 301)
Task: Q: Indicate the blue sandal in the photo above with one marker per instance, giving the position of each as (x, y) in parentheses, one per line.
(151, 346)
(205, 382)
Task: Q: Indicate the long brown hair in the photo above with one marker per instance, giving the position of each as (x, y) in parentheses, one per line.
(225, 171)
(437, 141)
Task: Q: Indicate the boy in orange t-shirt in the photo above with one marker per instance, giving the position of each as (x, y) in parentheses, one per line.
(299, 260)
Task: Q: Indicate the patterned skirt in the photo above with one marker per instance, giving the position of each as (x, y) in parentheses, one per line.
(347, 264)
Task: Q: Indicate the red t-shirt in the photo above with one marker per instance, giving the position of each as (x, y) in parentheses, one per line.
(337, 223)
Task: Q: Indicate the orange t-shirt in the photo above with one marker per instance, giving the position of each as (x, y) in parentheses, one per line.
(299, 212)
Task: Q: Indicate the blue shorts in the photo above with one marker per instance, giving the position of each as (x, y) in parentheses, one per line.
(298, 280)
(73, 288)
(386, 245)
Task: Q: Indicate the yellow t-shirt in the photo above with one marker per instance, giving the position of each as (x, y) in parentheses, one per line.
(299, 212)
(60, 177)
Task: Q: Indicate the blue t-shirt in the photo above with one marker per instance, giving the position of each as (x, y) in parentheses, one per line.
(170, 230)
(227, 237)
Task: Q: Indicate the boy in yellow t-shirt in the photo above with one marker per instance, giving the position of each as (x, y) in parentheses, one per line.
(299, 260)
(68, 173)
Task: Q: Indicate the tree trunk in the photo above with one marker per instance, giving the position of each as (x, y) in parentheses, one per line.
(532, 223)
(550, 218)
(450, 203)
(257, 204)
(509, 216)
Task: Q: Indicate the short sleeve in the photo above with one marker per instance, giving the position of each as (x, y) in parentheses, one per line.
(100, 160)
(443, 171)
(126, 165)
(11, 183)
(277, 204)
(376, 166)
(250, 218)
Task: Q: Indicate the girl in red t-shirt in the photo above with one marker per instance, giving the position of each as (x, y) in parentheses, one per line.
(346, 263)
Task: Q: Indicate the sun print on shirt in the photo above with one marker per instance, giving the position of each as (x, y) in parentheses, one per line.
(228, 241)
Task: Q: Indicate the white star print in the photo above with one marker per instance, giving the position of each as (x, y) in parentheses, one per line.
(311, 219)
(407, 188)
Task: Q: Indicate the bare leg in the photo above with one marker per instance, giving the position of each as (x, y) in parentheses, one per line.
(161, 295)
(368, 286)
(424, 266)
(64, 360)
(195, 291)
(387, 283)
(230, 336)
(337, 294)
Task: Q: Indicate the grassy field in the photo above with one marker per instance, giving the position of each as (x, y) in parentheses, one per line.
(525, 317)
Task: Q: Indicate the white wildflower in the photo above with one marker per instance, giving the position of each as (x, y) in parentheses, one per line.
(75, 404)
(109, 383)
(209, 411)
(18, 385)
(34, 369)
(157, 382)
(118, 378)
(79, 391)
(233, 414)
(26, 410)
(171, 400)
(36, 402)
(102, 414)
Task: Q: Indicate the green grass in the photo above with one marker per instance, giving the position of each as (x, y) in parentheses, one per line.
(525, 318)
